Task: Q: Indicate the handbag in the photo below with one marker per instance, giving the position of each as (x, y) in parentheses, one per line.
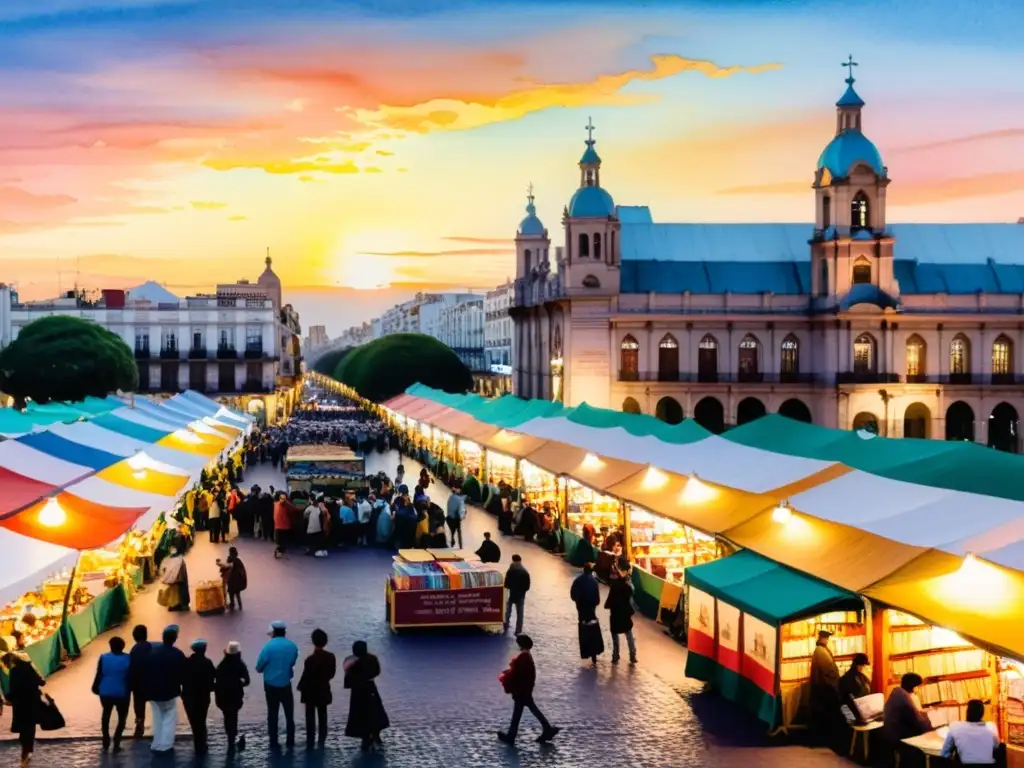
(49, 716)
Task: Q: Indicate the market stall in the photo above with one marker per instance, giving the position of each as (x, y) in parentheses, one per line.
(500, 467)
(443, 588)
(590, 517)
(749, 621)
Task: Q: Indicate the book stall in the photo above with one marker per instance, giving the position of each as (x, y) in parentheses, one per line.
(470, 456)
(542, 488)
(589, 517)
(750, 631)
(443, 588)
(500, 466)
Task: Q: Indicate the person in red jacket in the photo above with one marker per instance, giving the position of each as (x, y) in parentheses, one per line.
(518, 681)
(283, 511)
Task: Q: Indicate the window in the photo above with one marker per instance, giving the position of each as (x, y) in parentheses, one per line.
(629, 360)
(227, 339)
(597, 246)
(861, 271)
(253, 337)
(864, 354)
(584, 246)
(170, 341)
(748, 368)
(959, 356)
(197, 339)
(528, 260)
(915, 358)
(668, 358)
(1002, 357)
(707, 359)
(611, 252)
(859, 213)
(789, 365)
(823, 278)
(141, 342)
(826, 212)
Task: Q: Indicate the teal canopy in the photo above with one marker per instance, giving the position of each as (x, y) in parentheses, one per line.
(769, 591)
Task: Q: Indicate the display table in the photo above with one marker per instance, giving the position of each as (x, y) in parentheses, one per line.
(106, 610)
(930, 744)
(647, 591)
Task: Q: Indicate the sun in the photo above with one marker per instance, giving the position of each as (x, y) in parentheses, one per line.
(358, 267)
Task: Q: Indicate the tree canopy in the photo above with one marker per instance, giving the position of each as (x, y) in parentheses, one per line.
(391, 364)
(328, 362)
(66, 358)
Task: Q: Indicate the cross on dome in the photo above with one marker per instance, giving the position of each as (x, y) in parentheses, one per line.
(529, 192)
(850, 64)
(590, 131)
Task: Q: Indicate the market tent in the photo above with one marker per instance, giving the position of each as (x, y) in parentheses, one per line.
(70, 521)
(137, 416)
(27, 562)
(94, 406)
(76, 453)
(186, 440)
(423, 410)
(61, 411)
(164, 415)
(29, 462)
(955, 465)
(215, 409)
(149, 478)
(18, 491)
(115, 423)
(638, 424)
(713, 458)
(595, 472)
(91, 434)
(184, 406)
(511, 443)
(14, 423)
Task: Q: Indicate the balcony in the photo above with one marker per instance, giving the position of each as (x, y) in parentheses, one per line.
(1004, 379)
(750, 377)
(142, 353)
(254, 351)
(227, 353)
(714, 377)
(169, 353)
(197, 354)
(867, 377)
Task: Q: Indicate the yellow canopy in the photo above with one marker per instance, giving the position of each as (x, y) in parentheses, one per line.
(144, 479)
(593, 471)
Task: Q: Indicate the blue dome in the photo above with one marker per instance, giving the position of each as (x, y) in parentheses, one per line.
(591, 202)
(865, 293)
(531, 225)
(846, 150)
(590, 156)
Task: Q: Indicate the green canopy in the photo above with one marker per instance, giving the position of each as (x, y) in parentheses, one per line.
(14, 422)
(769, 591)
(957, 466)
(639, 425)
(61, 411)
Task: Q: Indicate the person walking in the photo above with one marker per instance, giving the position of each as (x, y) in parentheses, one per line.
(489, 551)
(283, 511)
(236, 580)
(455, 514)
(518, 682)
(112, 685)
(313, 527)
(620, 607)
(23, 684)
(165, 668)
(364, 511)
(586, 595)
(517, 582)
(314, 686)
(213, 520)
(366, 714)
(229, 693)
(137, 676)
(197, 685)
(276, 663)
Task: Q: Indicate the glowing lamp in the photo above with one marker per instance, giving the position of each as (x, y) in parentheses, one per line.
(140, 475)
(187, 437)
(52, 515)
(696, 492)
(654, 479)
(139, 461)
(782, 514)
(590, 461)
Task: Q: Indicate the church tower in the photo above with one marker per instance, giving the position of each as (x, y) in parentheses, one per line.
(592, 254)
(532, 243)
(851, 245)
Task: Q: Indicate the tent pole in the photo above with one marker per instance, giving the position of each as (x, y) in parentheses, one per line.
(67, 592)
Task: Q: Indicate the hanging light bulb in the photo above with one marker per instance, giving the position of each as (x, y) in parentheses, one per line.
(590, 461)
(52, 515)
(139, 461)
(697, 492)
(782, 513)
(654, 479)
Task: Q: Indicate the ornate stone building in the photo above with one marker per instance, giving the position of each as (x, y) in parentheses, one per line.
(912, 330)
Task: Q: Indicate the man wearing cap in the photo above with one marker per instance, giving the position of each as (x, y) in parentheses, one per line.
(824, 691)
(276, 663)
(164, 670)
(196, 687)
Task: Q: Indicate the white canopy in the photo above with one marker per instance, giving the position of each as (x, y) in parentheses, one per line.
(139, 417)
(23, 460)
(952, 521)
(95, 436)
(215, 408)
(27, 562)
(174, 419)
(713, 459)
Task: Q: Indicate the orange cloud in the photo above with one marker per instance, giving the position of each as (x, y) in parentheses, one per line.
(15, 199)
(207, 205)
(433, 254)
(459, 114)
(777, 188)
(924, 192)
(283, 166)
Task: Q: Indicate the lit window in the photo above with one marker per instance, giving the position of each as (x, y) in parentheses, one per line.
(790, 363)
(864, 354)
(958, 356)
(1002, 357)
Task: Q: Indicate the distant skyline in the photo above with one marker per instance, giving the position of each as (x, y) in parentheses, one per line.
(372, 144)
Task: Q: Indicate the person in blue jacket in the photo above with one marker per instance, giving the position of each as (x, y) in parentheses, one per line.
(111, 685)
(276, 663)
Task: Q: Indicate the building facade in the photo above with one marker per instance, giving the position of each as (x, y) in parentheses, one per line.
(317, 337)
(847, 321)
(461, 327)
(498, 338)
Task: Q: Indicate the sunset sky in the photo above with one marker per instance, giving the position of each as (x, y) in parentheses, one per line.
(384, 144)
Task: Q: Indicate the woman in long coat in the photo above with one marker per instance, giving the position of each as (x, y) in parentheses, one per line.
(366, 714)
(23, 696)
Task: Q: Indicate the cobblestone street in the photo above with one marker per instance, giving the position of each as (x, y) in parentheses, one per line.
(440, 690)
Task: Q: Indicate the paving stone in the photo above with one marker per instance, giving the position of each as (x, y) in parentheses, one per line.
(440, 689)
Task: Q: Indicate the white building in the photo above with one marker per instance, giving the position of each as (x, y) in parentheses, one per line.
(7, 298)
(461, 327)
(498, 337)
(317, 337)
(847, 321)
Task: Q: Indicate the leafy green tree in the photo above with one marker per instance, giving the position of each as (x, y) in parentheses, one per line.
(66, 358)
(389, 365)
(328, 362)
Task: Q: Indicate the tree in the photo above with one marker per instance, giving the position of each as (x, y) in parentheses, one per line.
(66, 358)
(389, 365)
(329, 361)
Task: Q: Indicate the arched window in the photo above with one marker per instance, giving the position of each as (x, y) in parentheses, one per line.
(864, 354)
(629, 360)
(1002, 361)
(823, 278)
(959, 358)
(707, 359)
(789, 363)
(916, 351)
(861, 271)
(668, 358)
(826, 212)
(597, 245)
(584, 249)
(859, 212)
(611, 252)
(630, 405)
(591, 282)
(749, 368)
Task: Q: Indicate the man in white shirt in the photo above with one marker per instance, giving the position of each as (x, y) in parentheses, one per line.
(364, 511)
(313, 527)
(974, 741)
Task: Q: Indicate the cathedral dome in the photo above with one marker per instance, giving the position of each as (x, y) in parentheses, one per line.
(591, 202)
(531, 226)
(847, 150)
